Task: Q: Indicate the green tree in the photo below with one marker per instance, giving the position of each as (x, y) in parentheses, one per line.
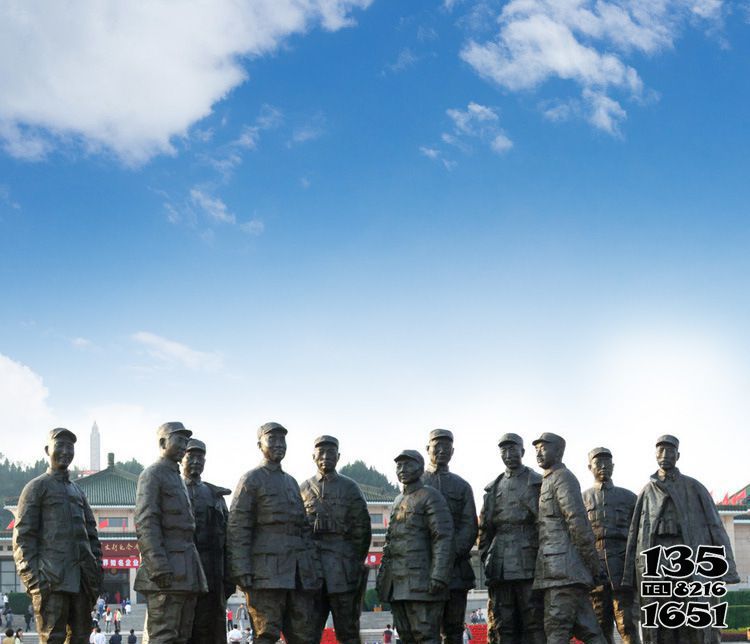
(368, 475)
(132, 466)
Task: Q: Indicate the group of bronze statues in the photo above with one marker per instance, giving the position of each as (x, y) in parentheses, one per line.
(558, 562)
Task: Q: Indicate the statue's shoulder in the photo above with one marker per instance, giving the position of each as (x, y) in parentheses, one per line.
(535, 478)
(36, 486)
(350, 485)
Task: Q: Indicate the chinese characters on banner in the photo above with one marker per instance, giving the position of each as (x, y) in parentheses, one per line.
(120, 554)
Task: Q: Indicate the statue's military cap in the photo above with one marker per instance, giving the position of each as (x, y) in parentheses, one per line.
(510, 437)
(441, 433)
(325, 439)
(549, 437)
(194, 443)
(669, 440)
(267, 428)
(172, 428)
(411, 454)
(599, 451)
(61, 432)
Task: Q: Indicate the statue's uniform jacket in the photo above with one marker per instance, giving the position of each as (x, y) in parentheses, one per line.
(610, 510)
(508, 538)
(268, 536)
(567, 554)
(418, 546)
(211, 515)
(460, 498)
(335, 503)
(55, 542)
(165, 528)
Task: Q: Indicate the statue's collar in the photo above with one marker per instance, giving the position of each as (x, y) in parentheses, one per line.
(671, 475)
(413, 487)
(270, 465)
(603, 485)
(60, 475)
(328, 477)
(438, 469)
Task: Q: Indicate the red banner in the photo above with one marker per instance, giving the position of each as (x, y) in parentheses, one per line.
(373, 559)
(121, 564)
(120, 554)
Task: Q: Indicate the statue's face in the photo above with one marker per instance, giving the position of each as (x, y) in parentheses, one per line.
(174, 446)
(511, 453)
(326, 456)
(667, 456)
(193, 463)
(440, 451)
(408, 470)
(548, 454)
(273, 446)
(601, 467)
(61, 451)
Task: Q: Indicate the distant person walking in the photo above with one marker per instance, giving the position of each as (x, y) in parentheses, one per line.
(132, 639)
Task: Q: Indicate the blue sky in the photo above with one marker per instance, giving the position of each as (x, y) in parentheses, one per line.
(373, 218)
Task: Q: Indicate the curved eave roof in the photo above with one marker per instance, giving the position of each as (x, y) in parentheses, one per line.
(110, 487)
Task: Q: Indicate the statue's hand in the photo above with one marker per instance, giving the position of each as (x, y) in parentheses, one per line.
(164, 580)
(437, 586)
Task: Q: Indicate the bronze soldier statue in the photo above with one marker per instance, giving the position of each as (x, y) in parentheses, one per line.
(272, 557)
(674, 509)
(460, 498)
(508, 543)
(340, 522)
(211, 514)
(170, 575)
(567, 564)
(610, 510)
(56, 548)
(418, 555)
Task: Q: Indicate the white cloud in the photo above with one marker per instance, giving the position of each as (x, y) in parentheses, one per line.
(430, 153)
(585, 42)
(477, 122)
(7, 199)
(604, 112)
(177, 354)
(253, 227)
(23, 403)
(501, 143)
(305, 183)
(406, 58)
(129, 77)
(214, 207)
(81, 343)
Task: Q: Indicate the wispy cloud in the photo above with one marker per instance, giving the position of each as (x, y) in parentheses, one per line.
(81, 343)
(92, 88)
(174, 353)
(213, 207)
(405, 59)
(587, 43)
(253, 227)
(476, 123)
(313, 129)
(6, 198)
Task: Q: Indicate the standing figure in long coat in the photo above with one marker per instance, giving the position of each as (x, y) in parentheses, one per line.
(674, 509)
(418, 555)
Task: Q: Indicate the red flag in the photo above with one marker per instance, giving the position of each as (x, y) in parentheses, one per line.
(104, 523)
(11, 525)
